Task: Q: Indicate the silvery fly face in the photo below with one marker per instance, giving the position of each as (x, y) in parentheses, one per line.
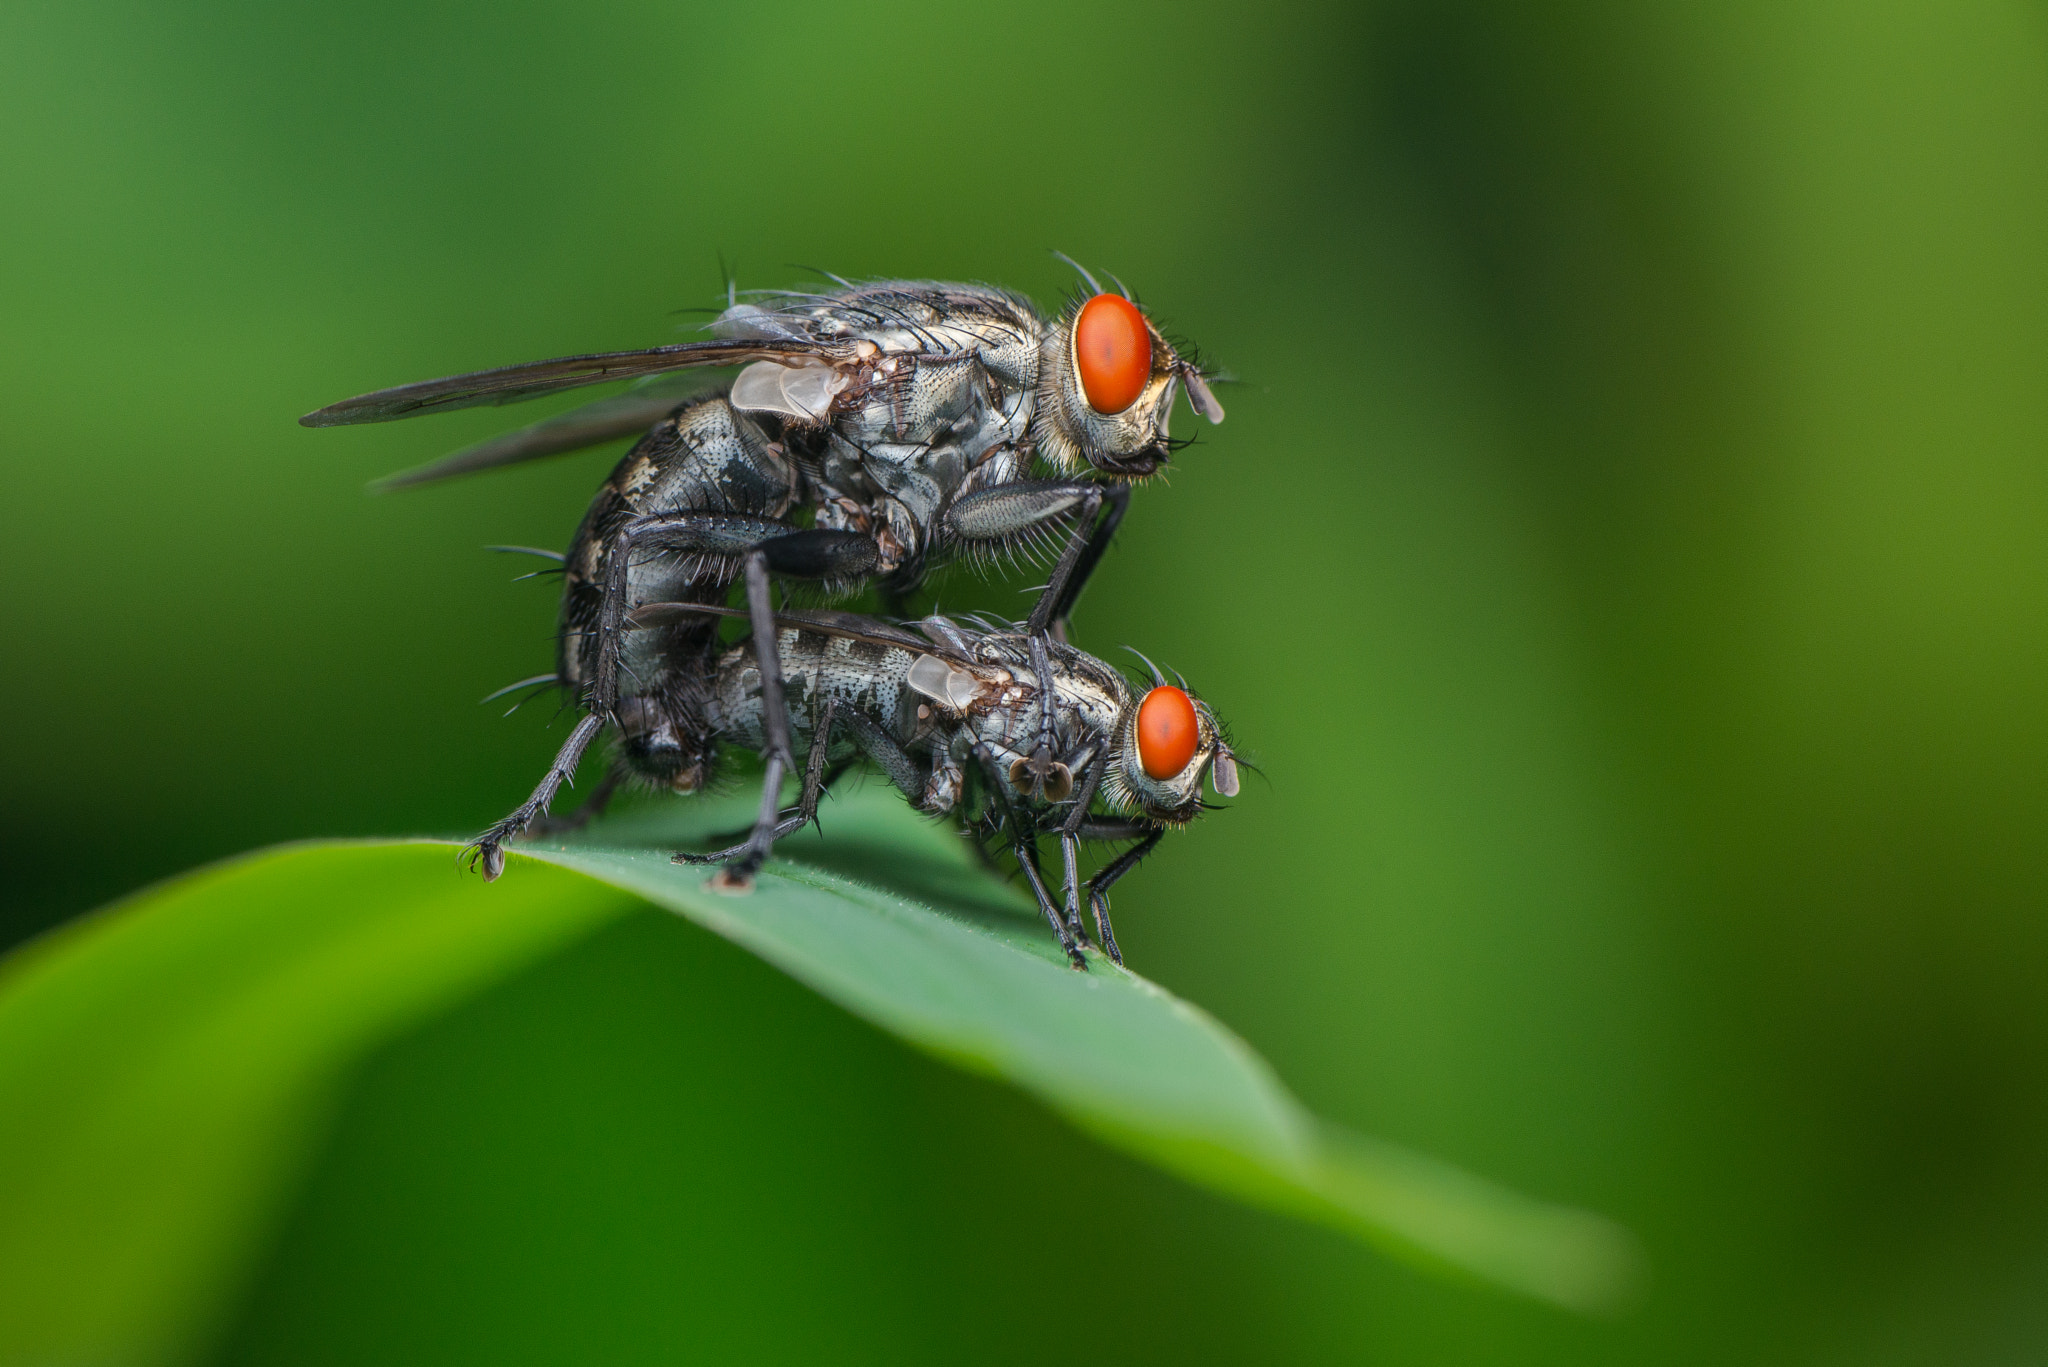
(1107, 378)
(1167, 742)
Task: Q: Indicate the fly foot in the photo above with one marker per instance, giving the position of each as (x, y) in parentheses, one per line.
(487, 855)
(731, 882)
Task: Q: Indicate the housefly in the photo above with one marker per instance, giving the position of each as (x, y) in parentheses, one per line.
(951, 713)
(875, 431)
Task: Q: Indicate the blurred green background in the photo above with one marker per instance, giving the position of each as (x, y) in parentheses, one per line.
(1625, 557)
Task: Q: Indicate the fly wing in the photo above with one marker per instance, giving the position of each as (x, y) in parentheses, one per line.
(511, 384)
(848, 624)
(852, 624)
(619, 415)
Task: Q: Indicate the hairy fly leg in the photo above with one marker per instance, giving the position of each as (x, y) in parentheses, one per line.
(820, 553)
(1003, 515)
(815, 783)
(1115, 828)
(1116, 502)
(793, 820)
(905, 773)
(1043, 612)
(817, 554)
(1039, 764)
(1026, 846)
(1023, 828)
(713, 535)
(738, 876)
(1098, 887)
(1070, 854)
(811, 554)
(593, 807)
(487, 850)
(878, 745)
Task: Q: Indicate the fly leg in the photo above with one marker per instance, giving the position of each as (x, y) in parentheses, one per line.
(1012, 512)
(1117, 498)
(738, 876)
(813, 554)
(1070, 853)
(815, 782)
(693, 533)
(713, 536)
(1002, 515)
(1024, 843)
(1099, 885)
(1038, 764)
(1046, 610)
(592, 808)
(1026, 846)
(788, 826)
(487, 850)
(716, 537)
(767, 546)
(875, 742)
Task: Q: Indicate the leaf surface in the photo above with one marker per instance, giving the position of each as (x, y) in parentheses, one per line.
(167, 1063)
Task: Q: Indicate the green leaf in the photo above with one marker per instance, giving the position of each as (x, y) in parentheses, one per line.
(166, 1064)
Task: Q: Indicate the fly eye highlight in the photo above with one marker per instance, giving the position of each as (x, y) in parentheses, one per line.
(1167, 732)
(1112, 352)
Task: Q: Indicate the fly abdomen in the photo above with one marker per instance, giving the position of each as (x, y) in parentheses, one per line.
(707, 458)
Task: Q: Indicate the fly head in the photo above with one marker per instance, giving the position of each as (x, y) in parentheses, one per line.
(1167, 742)
(1107, 379)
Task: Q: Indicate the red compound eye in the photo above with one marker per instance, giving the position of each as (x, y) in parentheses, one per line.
(1113, 350)
(1167, 732)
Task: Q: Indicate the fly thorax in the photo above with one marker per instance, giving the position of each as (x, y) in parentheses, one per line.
(921, 480)
(842, 514)
(1013, 361)
(843, 468)
(929, 396)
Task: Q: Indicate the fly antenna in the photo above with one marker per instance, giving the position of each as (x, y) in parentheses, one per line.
(1200, 397)
(1158, 679)
(1223, 771)
(1081, 268)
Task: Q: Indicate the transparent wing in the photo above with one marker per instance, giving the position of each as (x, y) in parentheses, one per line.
(606, 419)
(848, 624)
(511, 384)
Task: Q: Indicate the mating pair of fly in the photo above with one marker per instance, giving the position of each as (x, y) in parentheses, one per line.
(874, 433)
